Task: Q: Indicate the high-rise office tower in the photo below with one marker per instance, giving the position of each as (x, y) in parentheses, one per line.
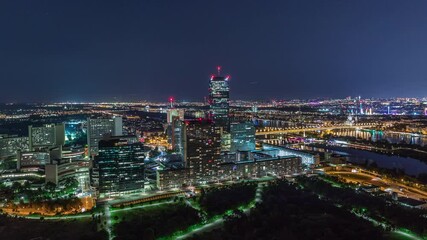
(219, 100)
(242, 137)
(203, 149)
(98, 128)
(48, 135)
(119, 166)
(175, 128)
(176, 135)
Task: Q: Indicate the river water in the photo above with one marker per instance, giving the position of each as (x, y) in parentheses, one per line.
(411, 166)
(391, 137)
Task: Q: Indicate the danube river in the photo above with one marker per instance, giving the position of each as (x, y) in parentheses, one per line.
(411, 166)
(391, 137)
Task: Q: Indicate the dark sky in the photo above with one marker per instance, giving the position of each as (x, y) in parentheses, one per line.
(131, 50)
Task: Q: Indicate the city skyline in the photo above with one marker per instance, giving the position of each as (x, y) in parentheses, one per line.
(83, 51)
(165, 120)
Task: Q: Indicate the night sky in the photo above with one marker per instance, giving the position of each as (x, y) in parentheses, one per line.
(132, 50)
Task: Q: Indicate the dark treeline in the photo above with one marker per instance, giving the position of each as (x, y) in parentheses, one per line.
(377, 208)
(155, 223)
(287, 212)
(20, 228)
(220, 199)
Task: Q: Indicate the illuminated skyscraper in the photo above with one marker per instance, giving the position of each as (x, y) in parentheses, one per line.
(242, 137)
(203, 149)
(97, 128)
(175, 128)
(120, 166)
(219, 100)
(176, 135)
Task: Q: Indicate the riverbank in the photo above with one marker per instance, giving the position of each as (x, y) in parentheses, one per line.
(384, 147)
(389, 164)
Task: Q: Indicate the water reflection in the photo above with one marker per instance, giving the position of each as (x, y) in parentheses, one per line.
(391, 137)
(411, 166)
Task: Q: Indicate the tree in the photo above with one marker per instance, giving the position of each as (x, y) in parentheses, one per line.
(50, 187)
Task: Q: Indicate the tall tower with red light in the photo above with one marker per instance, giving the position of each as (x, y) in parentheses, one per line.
(173, 112)
(219, 99)
(171, 101)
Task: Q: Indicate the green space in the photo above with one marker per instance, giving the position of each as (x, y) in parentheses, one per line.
(289, 212)
(175, 218)
(18, 192)
(220, 199)
(20, 228)
(380, 210)
(48, 199)
(154, 222)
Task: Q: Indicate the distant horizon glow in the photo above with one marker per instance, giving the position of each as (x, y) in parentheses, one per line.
(127, 51)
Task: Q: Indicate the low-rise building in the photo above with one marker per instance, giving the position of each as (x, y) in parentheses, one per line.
(277, 167)
(59, 170)
(173, 178)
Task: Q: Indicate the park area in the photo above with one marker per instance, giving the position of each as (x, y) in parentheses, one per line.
(20, 228)
(152, 222)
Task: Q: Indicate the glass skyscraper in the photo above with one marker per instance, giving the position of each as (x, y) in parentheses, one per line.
(242, 137)
(98, 128)
(120, 165)
(219, 100)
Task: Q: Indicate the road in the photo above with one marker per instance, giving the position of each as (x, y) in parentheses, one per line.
(106, 219)
(383, 183)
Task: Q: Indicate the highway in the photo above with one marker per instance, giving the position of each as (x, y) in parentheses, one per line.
(367, 178)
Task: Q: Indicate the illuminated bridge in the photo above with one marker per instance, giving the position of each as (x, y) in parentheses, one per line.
(272, 131)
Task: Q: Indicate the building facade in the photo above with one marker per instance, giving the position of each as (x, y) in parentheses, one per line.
(272, 167)
(203, 149)
(176, 132)
(98, 128)
(308, 159)
(32, 161)
(60, 170)
(219, 100)
(48, 135)
(173, 178)
(173, 113)
(242, 137)
(275, 167)
(9, 145)
(120, 167)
